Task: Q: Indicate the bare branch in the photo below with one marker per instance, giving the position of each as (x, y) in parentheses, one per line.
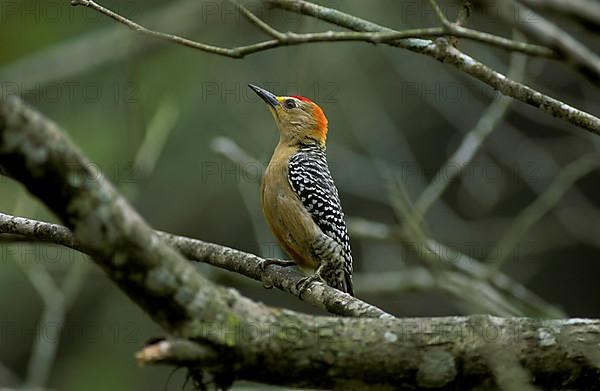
(491, 351)
(370, 32)
(446, 53)
(237, 52)
(175, 352)
(541, 30)
(289, 38)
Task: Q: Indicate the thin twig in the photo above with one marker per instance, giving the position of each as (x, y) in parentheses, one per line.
(290, 38)
(439, 13)
(157, 133)
(57, 301)
(237, 52)
(265, 27)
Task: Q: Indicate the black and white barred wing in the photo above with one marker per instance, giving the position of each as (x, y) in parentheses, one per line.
(310, 178)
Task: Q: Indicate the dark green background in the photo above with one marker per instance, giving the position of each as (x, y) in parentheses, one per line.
(383, 104)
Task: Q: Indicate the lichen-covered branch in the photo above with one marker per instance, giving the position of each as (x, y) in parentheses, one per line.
(321, 296)
(435, 353)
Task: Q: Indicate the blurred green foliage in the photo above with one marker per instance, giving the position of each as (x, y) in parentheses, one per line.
(383, 105)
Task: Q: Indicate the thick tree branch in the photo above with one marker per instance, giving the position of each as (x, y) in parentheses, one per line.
(440, 353)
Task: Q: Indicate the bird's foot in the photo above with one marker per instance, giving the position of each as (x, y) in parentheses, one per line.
(305, 283)
(272, 261)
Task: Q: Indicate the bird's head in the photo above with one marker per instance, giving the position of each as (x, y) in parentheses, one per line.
(299, 119)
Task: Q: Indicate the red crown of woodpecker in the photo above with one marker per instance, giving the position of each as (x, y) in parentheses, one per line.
(318, 114)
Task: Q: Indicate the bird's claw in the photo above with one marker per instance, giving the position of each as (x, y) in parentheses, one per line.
(305, 283)
(272, 261)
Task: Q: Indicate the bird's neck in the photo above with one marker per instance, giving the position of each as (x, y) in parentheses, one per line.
(303, 143)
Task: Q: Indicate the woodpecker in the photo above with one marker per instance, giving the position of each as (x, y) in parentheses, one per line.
(299, 198)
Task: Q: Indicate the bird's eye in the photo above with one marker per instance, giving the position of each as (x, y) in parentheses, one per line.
(289, 103)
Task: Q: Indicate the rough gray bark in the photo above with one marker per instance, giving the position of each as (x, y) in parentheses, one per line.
(231, 337)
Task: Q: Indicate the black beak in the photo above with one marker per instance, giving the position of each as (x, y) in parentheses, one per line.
(265, 95)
